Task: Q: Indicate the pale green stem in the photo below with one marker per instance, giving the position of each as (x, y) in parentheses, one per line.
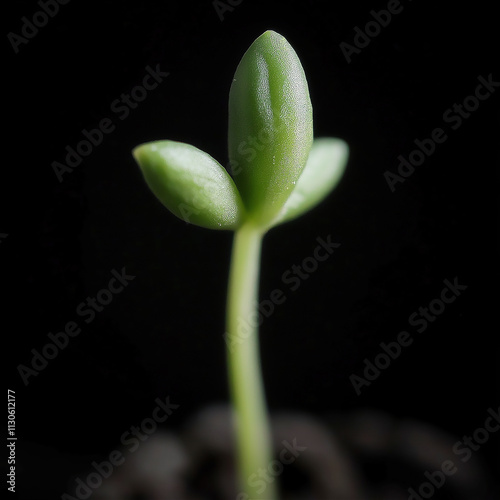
(254, 443)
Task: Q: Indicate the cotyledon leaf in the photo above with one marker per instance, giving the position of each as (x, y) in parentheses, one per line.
(191, 184)
(270, 125)
(324, 168)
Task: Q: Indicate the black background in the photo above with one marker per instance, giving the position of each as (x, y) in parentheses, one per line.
(163, 334)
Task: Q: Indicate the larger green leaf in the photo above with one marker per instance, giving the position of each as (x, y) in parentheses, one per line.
(323, 171)
(270, 125)
(191, 184)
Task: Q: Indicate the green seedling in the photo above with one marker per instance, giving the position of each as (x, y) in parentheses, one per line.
(279, 173)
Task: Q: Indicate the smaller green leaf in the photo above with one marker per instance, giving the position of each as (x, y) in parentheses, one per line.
(324, 168)
(191, 184)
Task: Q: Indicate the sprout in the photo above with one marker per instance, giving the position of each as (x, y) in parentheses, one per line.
(282, 173)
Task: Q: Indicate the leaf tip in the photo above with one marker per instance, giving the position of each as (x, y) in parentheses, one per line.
(139, 152)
